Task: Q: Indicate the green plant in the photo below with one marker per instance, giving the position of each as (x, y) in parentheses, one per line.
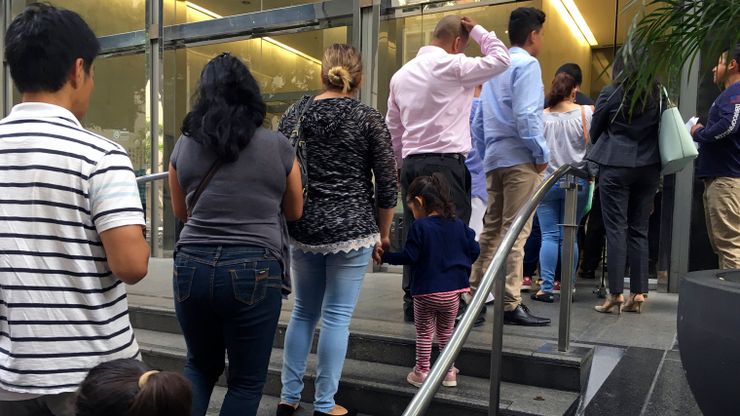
(667, 34)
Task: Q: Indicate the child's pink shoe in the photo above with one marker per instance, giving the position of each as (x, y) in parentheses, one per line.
(416, 378)
(451, 378)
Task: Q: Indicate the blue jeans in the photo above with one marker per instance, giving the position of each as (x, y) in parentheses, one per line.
(227, 299)
(551, 214)
(326, 286)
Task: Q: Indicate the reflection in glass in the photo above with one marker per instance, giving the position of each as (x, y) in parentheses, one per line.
(104, 17)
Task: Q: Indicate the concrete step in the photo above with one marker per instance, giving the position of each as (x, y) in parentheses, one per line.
(527, 360)
(380, 389)
(268, 404)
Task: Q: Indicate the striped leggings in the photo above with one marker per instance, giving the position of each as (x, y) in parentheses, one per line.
(433, 313)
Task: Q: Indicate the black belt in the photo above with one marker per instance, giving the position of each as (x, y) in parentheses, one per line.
(456, 156)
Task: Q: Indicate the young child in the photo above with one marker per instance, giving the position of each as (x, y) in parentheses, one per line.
(129, 388)
(440, 250)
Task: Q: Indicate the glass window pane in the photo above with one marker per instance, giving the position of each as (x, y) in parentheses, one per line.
(104, 17)
(179, 11)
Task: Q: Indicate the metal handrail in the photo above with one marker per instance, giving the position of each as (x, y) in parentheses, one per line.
(496, 271)
(152, 177)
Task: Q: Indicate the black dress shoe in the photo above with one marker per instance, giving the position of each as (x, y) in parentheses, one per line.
(284, 409)
(521, 316)
(350, 412)
(543, 297)
(464, 307)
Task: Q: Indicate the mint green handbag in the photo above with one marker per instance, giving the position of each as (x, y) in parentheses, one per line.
(677, 148)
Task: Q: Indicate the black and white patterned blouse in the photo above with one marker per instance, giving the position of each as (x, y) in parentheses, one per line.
(347, 143)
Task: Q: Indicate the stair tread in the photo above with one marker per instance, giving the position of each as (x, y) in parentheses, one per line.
(472, 392)
(267, 405)
(404, 332)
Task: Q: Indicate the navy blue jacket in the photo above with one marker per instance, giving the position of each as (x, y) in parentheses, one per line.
(440, 252)
(719, 140)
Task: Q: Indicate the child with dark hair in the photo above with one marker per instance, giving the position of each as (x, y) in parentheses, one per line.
(440, 250)
(128, 388)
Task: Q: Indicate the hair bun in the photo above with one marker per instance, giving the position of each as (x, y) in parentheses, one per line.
(339, 77)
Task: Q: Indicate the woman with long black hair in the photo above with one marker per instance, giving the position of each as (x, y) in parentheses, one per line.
(233, 183)
(625, 141)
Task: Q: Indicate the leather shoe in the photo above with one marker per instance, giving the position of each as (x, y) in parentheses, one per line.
(521, 316)
(464, 307)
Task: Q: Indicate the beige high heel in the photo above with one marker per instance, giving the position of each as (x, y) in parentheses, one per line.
(610, 303)
(634, 304)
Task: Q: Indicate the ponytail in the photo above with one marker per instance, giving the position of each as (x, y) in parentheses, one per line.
(128, 388)
(434, 190)
(562, 86)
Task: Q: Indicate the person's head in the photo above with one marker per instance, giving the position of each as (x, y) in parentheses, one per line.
(128, 388)
(525, 29)
(51, 51)
(341, 68)
(228, 108)
(728, 67)
(573, 70)
(450, 35)
(563, 88)
(430, 195)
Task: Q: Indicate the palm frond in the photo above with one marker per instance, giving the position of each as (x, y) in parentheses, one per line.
(667, 34)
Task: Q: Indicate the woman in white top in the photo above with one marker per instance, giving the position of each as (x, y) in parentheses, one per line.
(566, 132)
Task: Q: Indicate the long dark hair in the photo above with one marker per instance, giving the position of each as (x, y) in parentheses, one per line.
(228, 108)
(116, 388)
(435, 192)
(562, 86)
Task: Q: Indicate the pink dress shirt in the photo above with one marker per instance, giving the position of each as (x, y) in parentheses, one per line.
(431, 96)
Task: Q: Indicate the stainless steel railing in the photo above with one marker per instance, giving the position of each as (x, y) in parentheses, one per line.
(496, 273)
(152, 177)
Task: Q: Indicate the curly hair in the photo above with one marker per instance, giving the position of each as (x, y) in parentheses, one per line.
(228, 108)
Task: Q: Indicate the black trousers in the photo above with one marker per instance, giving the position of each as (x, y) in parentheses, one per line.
(452, 166)
(626, 200)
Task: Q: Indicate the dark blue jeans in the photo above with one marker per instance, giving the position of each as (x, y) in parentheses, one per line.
(227, 300)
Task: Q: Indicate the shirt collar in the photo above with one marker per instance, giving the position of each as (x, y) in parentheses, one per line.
(518, 50)
(431, 49)
(42, 110)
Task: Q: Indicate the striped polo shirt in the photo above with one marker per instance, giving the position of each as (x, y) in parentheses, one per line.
(62, 311)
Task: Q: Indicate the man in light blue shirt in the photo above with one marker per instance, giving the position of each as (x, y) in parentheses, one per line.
(508, 132)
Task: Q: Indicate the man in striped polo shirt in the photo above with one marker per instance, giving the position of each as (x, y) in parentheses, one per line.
(70, 222)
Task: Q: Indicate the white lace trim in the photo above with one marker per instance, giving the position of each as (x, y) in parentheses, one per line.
(334, 248)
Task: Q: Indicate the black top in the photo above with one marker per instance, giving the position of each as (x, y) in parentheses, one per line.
(440, 252)
(347, 143)
(719, 140)
(622, 140)
(583, 99)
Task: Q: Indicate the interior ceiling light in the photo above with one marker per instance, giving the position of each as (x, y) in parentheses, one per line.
(277, 43)
(573, 17)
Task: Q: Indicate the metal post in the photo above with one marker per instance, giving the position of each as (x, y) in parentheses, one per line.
(154, 34)
(499, 286)
(567, 271)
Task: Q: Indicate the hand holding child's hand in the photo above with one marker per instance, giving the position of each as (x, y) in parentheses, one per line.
(378, 253)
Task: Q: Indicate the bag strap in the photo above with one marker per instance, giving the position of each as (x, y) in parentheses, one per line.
(202, 185)
(295, 134)
(584, 124)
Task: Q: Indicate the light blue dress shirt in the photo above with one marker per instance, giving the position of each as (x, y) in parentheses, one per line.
(507, 127)
(475, 165)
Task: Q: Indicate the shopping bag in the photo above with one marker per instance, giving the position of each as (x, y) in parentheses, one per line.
(676, 146)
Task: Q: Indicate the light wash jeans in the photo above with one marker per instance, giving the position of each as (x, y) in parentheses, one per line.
(550, 215)
(326, 286)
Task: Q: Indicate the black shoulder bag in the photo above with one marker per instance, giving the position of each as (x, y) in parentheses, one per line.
(202, 185)
(299, 144)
